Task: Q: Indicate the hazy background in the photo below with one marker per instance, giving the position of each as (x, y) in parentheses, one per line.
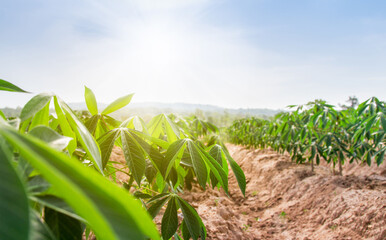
(232, 54)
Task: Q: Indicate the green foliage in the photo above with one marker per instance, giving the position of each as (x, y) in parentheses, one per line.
(56, 166)
(14, 212)
(318, 131)
(90, 101)
(108, 209)
(7, 86)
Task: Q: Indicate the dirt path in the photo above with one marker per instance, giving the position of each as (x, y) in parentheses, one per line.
(287, 201)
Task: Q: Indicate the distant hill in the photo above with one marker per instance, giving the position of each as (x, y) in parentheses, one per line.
(147, 110)
(184, 108)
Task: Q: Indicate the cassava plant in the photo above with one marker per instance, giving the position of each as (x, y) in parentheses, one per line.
(58, 181)
(317, 130)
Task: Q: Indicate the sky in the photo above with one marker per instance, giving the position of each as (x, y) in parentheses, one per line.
(234, 54)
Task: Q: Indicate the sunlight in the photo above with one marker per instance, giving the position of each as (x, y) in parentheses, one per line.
(158, 47)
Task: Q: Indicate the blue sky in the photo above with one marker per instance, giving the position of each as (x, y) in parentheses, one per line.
(260, 53)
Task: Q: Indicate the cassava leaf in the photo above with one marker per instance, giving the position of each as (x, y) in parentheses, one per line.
(169, 220)
(62, 226)
(84, 136)
(118, 104)
(192, 220)
(106, 144)
(198, 162)
(35, 105)
(90, 101)
(110, 211)
(51, 137)
(14, 208)
(134, 156)
(65, 126)
(239, 174)
(7, 86)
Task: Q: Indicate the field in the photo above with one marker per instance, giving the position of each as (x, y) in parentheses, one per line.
(86, 175)
(285, 200)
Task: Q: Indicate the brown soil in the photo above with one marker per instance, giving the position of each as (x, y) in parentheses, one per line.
(287, 201)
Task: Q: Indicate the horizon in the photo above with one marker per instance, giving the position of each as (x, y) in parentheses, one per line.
(244, 54)
(130, 105)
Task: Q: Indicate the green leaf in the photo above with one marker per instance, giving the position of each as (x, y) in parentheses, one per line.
(53, 123)
(370, 123)
(175, 149)
(157, 204)
(380, 157)
(51, 137)
(185, 231)
(57, 204)
(156, 158)
(218, 154)
(63, 226)
(199, 165)
(162, 124)
(158, 197)
(368, 158)
(239, 174)
(172, 131)
(134, 156)
(34, 105)
(160, 182)
(216, 169)
(42, 117)
(91, 124)
(136, 123)
(85, 138)
(155, 126)
(383, 121)
(169, 220)
(141, 195)
(65, 126)
(2, 115)
(39, 230)
(14, 210)
(106, 144)
(117, 104)
(191, 218)
(362, 107)
(90, 101)
(163, 144)
(110, 211)
(150, 171)
(112, 122)
(37, 184)
(7, 86)
(189, 179)
(177, 237)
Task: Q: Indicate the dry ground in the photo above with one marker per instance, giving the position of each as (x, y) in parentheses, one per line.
(287, 201)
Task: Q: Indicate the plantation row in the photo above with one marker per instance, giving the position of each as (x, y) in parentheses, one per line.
(318, 131)
(57, 180)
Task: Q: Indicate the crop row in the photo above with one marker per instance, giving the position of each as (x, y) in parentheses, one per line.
(317, 130)
(57, 180)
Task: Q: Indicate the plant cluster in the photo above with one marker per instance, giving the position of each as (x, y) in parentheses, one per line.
(317, 130)
(57, 180)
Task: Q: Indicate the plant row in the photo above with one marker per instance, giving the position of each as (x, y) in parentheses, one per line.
(318, 131)
(57, 180)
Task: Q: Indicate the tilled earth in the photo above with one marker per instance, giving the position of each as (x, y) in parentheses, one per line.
(287, 201)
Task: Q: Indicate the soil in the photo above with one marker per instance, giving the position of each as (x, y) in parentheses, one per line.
(288, 201)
